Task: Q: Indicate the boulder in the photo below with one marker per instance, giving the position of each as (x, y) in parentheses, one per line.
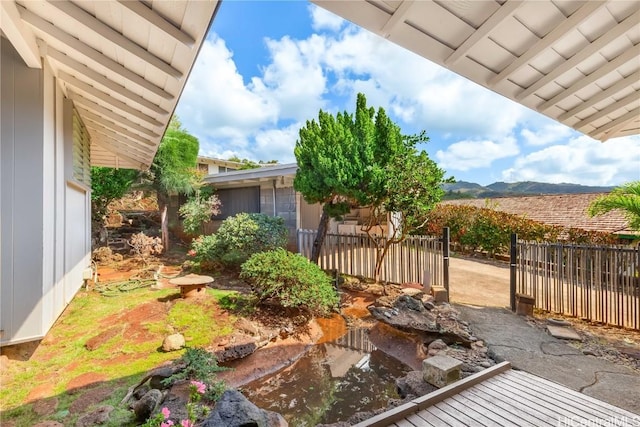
(413, 385)
(409, 315)
(176, 400)
(144, 407)
(173, 342)
(160, 374)
(235, 410)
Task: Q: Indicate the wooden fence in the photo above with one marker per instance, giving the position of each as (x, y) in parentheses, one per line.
(408, 261)
(595, 283)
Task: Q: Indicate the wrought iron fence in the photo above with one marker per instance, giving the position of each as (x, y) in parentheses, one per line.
(595, 283)
(408, 261)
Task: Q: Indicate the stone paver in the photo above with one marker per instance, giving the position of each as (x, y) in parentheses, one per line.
(509, 337)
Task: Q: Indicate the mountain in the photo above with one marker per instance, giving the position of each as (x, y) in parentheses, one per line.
(470, 190)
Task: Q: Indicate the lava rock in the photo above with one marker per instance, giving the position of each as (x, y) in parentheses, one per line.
(235, 410)
(437, 345)
(413, 385)
(144, 407)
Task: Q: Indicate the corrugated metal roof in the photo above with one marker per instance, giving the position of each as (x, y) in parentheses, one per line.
(577, 62)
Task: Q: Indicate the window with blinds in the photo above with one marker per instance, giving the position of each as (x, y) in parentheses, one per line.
(81, 151)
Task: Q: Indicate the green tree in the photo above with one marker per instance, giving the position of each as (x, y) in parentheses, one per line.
(364, 160)
(625, 198)
(174, 168)
(107, 185)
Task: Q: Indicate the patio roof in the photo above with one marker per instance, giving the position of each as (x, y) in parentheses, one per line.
(123, 64)
(577, 62)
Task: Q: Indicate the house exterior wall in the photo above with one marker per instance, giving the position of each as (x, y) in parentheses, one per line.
(280, 201)
(44, 214)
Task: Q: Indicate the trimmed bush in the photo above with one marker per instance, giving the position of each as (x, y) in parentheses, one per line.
(488, 230)
(239, 237)
(291, 280)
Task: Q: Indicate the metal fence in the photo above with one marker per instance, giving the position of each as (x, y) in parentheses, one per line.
(595, 283)
(408, 261)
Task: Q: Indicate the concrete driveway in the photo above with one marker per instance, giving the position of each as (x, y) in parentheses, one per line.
(479, 282)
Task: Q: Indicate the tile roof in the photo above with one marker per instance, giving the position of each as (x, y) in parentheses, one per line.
(566, 210)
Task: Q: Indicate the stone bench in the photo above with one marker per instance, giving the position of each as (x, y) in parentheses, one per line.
(192, 285)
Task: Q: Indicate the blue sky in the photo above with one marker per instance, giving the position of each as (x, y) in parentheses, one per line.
(269, 66)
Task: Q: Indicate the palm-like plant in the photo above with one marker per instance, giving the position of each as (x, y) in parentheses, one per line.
(625, 198)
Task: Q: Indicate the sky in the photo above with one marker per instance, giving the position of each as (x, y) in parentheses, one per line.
(267, 67)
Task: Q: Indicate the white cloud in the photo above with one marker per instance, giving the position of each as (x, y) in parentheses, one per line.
(279, 143)
(466, 155)
(215, 98)
(582, 160)
(547, 134)
(418, 91)
(322, 19)
(294, 80)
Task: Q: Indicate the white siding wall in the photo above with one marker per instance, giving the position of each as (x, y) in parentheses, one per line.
(21, 197)
(44, 213)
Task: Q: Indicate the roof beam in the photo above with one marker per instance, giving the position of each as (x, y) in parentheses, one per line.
(95, 122)
(120, 145)
(21, 37)
(502, 13)
(98, 127)
(96, 26)
(609, 36)
(629, 99)
(96, 77)
(613, 126)
(610, 91)
(611, 66)
(89, 52)
(106, 98)
(158, 21)
(396, 17)
(105, 147)
(587, 9)
(86, 114)
(87, 103)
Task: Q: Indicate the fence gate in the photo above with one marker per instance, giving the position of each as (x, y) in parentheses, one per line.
(408, 261)
(595, 283)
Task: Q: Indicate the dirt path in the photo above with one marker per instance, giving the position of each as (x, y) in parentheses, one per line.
(479, 282)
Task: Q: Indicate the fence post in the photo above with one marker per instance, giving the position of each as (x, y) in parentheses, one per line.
(512, 267)
(445, 258)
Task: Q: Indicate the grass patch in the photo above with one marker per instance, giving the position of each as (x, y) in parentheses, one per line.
(199, 320)
(63, 355)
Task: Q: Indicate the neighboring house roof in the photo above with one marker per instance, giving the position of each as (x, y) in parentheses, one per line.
(573, 61)
(252, 176)
(123, 64)
(566, 210)
(219, 162)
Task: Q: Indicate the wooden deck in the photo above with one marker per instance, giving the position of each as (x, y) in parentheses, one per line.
(500, 396)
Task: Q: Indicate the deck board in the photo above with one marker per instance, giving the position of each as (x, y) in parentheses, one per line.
(508, 398)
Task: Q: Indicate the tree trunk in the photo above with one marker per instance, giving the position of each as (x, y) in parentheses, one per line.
(164, 227)
(320, 235)
(381, 252)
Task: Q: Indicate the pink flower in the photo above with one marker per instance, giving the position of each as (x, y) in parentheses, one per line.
(168, 423)
(186, 423)
(166, 412)
(200, 387)
(191, 253)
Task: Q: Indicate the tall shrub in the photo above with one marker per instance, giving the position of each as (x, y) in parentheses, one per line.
(239, 237)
